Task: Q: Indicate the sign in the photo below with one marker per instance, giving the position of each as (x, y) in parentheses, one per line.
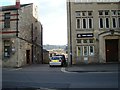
(85, 35)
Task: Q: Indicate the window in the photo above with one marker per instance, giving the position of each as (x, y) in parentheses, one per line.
(89, 13)
(84, 19)
(84, 23)
(78, 23)
(101, 22)
(118, 12)
(90, 23)
(84, 14)
(7, 20)
(107, 22)
(85, 41)
(50, 54)
(113, 12)
(91, 50)
(114, 22)
(118, 22)
(107, 12)
(85, 50)
(100, 12)
(7, 48)
(79, 41)
(91, 41)
(78, 13)
(79, 51)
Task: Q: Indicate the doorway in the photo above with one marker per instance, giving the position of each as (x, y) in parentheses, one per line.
(111, 50)
(28, 56)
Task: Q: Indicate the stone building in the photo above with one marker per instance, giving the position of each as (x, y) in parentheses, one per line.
(46, 58)
(21, 35)
(93, 31)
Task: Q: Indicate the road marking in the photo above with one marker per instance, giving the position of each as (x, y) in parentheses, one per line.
(13, 69)
(63, 70)
(17, 69)
(102, 72)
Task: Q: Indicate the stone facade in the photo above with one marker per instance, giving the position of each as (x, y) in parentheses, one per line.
(93, 32)
(24, 47)
(46, 58)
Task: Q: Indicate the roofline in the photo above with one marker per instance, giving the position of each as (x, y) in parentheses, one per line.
(12, 7)
(97, 2)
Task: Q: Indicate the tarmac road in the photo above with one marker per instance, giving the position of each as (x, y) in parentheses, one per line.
(43, 76)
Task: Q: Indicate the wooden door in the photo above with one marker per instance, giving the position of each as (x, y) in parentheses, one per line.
(111, 50)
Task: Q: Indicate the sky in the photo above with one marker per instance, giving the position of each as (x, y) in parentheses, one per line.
(52, 15)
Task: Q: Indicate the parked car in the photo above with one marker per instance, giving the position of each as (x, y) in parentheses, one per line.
(63, 59)
(56, 61)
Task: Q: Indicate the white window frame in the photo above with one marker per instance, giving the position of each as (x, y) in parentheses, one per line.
(77, 23)
(86, 23)
(102, 21)
(84, 51)
(90, 52)
(91, 23)
(81, 50)
(118, 12)
(105, 22)
(100, 11)
(115, 22)
(78, 14)
(108, 12)
(118, 22)
(115, 13)
(90, 12)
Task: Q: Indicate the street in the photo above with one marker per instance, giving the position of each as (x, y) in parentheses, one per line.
(43, 76)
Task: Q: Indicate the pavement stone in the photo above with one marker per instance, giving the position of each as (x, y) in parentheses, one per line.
(93, 68)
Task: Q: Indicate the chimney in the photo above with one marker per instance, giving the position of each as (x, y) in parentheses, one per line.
(17, 4)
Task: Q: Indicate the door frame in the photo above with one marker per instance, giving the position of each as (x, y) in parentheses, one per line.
(107, 41)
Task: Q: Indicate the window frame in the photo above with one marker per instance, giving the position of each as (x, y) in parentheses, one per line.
(102, 23)
(91, 23)
(7, 20)
(113, 13)
(79, 52)
(90, 51)
(78, 14)
(78, 23)
(7, 48)
(87, 51)
(84, 23)
(118, 20)
(113, 22)
(108, 23)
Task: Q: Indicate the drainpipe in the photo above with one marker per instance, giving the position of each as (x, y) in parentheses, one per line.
(32, 47)
(41, 44)
(70, 32)
(17, 7)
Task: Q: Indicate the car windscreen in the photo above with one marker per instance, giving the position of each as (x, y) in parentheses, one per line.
(55, 58)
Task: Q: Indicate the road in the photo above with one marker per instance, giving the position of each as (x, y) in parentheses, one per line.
(43, 76)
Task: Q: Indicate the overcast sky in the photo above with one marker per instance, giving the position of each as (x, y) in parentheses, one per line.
(52, 15)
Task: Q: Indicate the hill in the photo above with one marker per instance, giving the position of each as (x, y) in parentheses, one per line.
(50, 47)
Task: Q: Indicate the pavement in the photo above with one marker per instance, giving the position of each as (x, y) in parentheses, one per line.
(107, 67)
(112, 67)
